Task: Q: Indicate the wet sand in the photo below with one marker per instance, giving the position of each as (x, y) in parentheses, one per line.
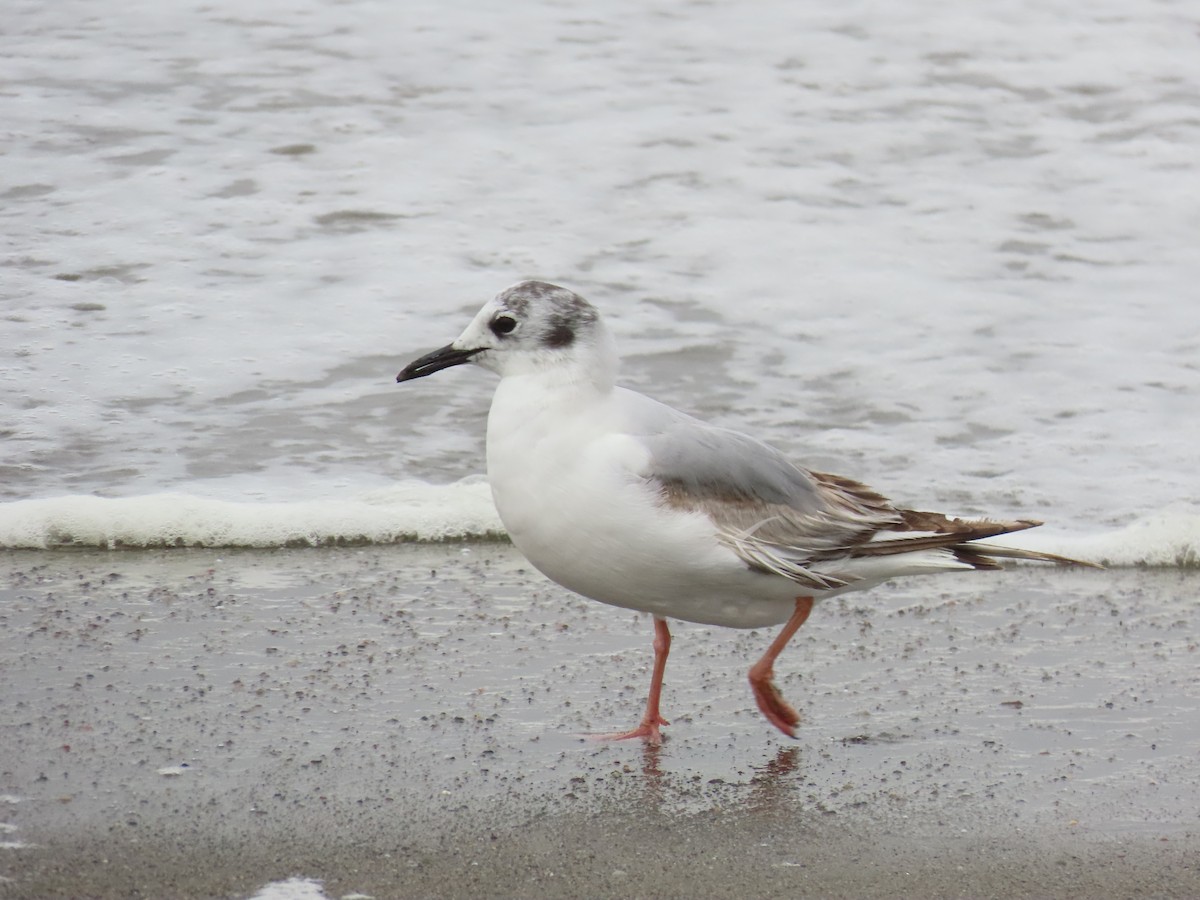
(406, 721)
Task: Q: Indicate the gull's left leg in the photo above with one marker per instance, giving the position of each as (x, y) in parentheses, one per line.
(777, 710)
(648, 727)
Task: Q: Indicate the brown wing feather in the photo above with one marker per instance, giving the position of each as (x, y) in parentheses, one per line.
(927, 531)
(844, 515)
(849, 521)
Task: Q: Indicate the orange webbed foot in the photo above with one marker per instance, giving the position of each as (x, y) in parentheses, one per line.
(647, 730)
(770, 702)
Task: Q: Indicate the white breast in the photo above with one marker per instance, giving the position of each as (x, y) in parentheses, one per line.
(568, 482)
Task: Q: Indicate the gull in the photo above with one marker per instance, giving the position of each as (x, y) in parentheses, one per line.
(630, 502)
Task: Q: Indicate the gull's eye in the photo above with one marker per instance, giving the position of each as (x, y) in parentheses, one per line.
(502, 325)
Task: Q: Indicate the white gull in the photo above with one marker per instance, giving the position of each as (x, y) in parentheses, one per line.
(627, 501)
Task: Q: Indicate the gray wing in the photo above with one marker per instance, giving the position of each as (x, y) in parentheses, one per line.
(786, 520)
(773, 514)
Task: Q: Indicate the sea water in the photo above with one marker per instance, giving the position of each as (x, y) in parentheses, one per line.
(949, 251)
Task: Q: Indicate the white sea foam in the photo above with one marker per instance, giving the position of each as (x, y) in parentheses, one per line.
(418, 512)
(295, 888)
(410, 511)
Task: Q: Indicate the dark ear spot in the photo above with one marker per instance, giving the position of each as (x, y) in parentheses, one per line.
(560, 335)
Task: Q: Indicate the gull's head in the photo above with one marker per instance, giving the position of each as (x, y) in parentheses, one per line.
(532, 327)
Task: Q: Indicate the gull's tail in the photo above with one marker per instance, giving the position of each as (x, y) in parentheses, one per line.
(991, 550)
(963, 537)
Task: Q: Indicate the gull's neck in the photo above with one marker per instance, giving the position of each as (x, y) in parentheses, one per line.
(529, 399)
(588, 367)
(564, 384)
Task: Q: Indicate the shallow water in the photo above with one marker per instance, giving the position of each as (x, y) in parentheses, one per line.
(946, 253)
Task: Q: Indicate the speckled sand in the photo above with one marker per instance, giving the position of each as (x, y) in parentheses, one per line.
(405, 721)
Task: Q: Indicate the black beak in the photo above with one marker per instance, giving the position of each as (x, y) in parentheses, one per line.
(436, 361)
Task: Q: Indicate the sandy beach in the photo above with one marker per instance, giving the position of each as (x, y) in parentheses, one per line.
(408, 721)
